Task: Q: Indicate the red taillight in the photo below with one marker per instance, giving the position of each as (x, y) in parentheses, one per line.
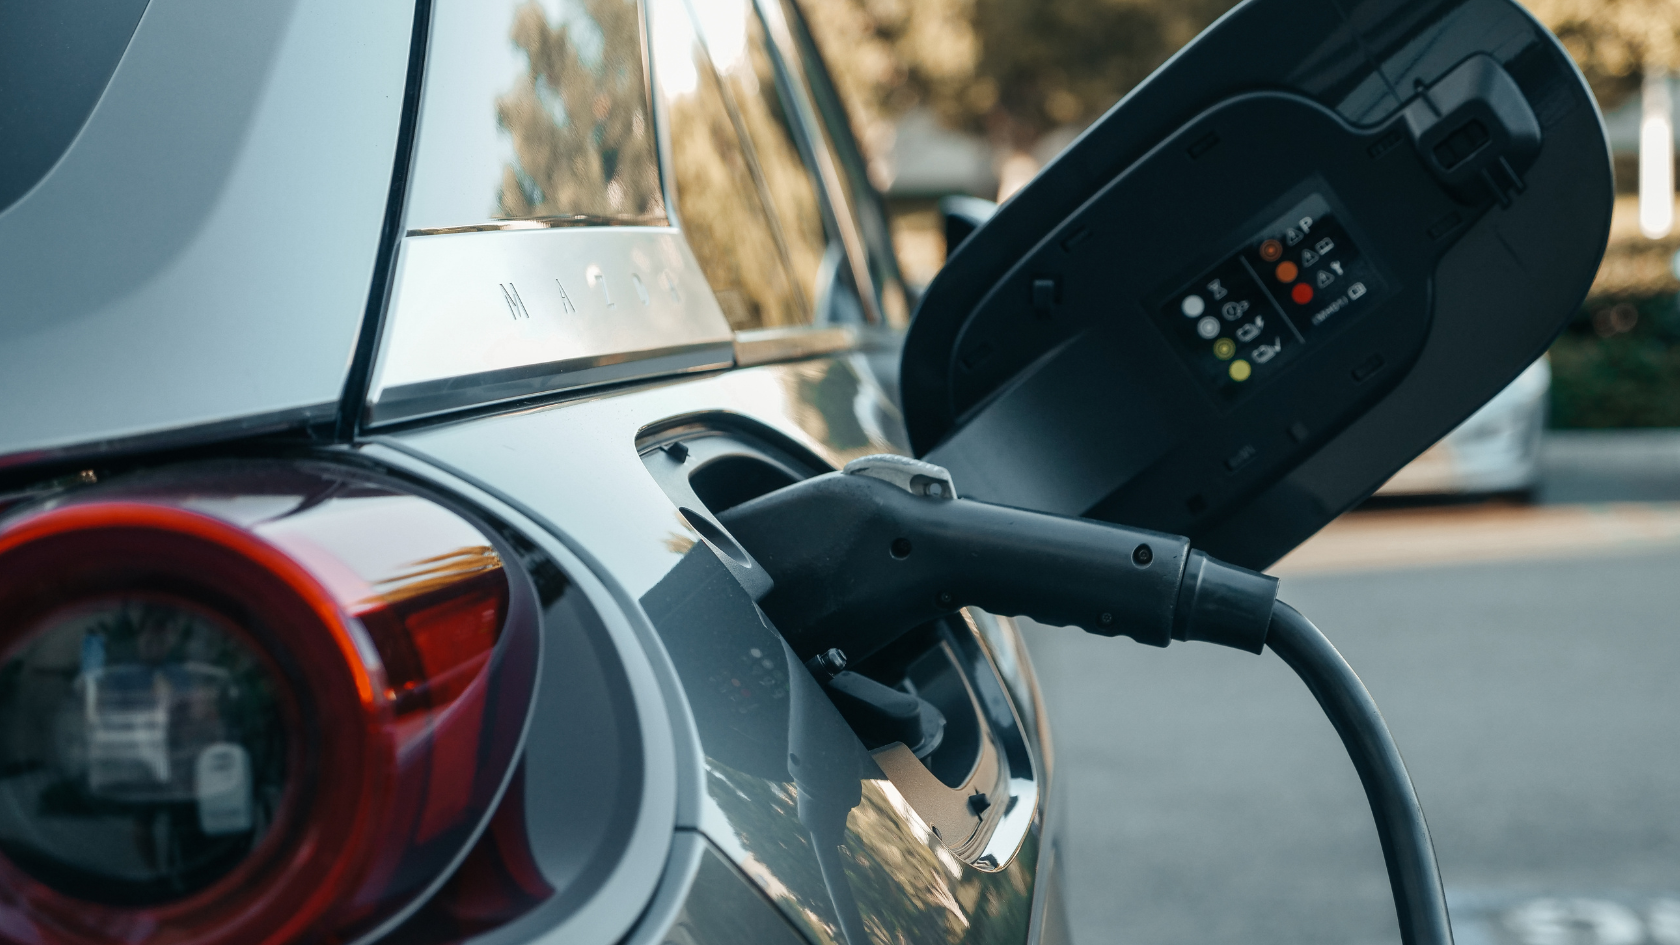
(252, 707)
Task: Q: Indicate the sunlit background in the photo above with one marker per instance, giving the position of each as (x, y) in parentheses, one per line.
(1511, 598)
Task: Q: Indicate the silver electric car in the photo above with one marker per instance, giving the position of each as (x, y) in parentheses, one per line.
(377, 373)
(384, 381)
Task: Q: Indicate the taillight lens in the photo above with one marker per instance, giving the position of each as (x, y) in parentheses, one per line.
(144, 748)
(249, 704)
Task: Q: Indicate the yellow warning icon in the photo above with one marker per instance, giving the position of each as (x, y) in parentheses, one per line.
(1240, 370)
(1224, 348)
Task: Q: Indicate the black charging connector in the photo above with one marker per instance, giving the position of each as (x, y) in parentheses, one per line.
(861, 557)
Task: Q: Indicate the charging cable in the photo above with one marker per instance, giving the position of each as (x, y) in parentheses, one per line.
(1419, 902)
(862, 556)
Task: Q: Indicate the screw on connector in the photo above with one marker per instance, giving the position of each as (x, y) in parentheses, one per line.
(946, 599)
(1142, 555)
(677, 451)
(827, 664)
(1106, 619)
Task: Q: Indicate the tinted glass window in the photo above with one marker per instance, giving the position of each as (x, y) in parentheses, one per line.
(535, 110)
(720, 195)
(735, 37)
(863, 201)
(55, 60)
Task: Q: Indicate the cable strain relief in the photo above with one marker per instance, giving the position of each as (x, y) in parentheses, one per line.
(1224, 604)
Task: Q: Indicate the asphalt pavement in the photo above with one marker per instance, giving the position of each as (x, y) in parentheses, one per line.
(1205, 800)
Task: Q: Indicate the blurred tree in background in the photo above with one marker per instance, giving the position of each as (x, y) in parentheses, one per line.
(1618, 364)
(1615, 41)
(1011, 70)
(578, 120)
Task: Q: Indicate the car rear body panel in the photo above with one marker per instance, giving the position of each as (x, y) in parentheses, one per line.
(744, 801)
(199, 261)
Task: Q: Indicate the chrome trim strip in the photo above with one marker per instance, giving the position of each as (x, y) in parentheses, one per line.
(427, 398)
(541, 223)
(483, 317)
(769, 345)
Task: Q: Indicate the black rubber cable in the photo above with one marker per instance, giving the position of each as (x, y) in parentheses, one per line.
(1419, 902)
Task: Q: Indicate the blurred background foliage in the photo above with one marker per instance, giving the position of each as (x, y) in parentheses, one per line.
(578, 121)
(1025, 76)
(1615, 41)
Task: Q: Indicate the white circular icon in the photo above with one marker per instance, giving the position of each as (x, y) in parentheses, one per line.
(1208, 327)
(1193, 306)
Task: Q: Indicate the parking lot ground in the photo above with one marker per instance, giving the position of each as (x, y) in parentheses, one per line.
(1528, 661)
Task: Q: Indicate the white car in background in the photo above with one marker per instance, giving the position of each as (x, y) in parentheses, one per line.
(1495, 452)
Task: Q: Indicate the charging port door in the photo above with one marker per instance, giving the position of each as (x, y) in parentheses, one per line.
(1304, 250)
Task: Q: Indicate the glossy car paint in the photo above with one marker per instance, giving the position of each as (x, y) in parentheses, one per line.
(199, 262)
(736, 793)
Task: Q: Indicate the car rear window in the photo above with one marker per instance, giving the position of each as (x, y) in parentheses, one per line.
(55, 60)
(534, 110)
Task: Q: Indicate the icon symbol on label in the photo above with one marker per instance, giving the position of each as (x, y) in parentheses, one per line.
(1216, 290)
(1356, 290)
(1234, 310)
(1263, 353)
(1208, 327)
(1325, 278)
(1250, 331)
(1271, 250)
(1324, 245)
(1240, 370)
(1224, 348)
(1192, 306)
(1308, 257)
(1338, 267)
(1293, 236)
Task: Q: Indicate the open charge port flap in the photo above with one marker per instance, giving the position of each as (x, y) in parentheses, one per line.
(977, 786)
(930, 708)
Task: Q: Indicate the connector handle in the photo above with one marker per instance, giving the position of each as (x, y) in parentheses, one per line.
(858, 560)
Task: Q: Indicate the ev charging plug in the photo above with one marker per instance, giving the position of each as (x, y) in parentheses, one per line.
(862, 556)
